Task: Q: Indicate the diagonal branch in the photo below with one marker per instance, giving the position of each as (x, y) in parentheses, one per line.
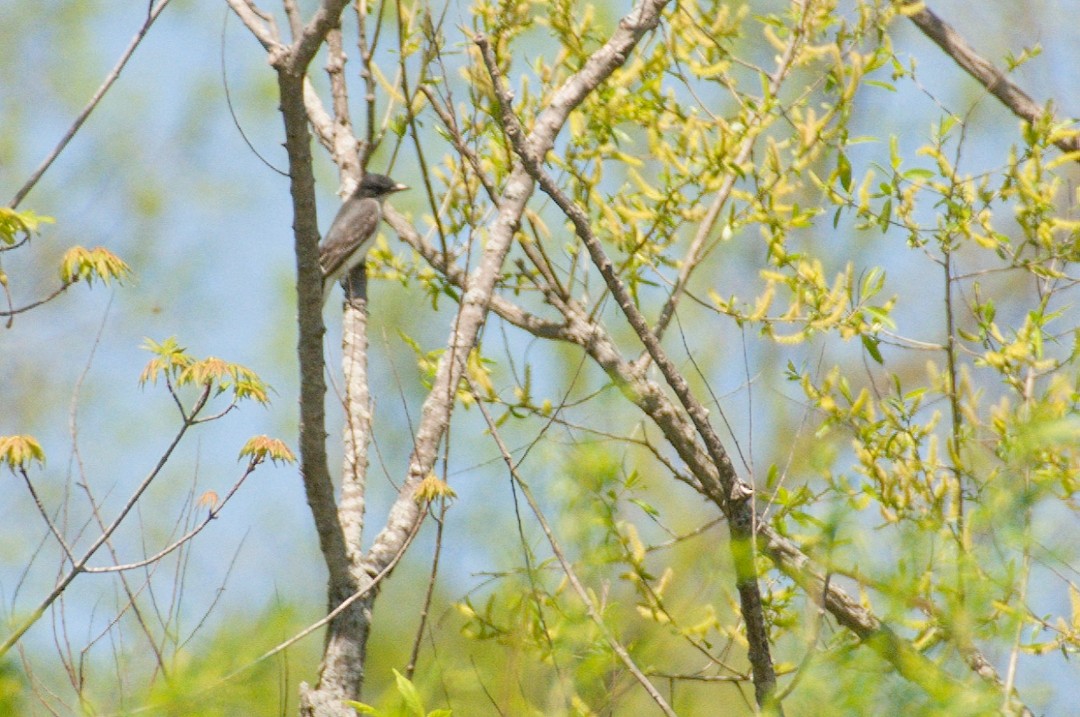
(475, 303)
(261, 24)
(571, 575)
(580, 330)
(112, 77)
(990, 77)
(736, 492)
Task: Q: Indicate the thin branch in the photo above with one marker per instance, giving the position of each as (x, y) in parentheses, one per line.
(450, 122)
(457, 276)
(367, 50)
(477, 299)
(45, 515)
(344, 141)
(229, 103)
(261, 24)
(990, 77)
(112, 77)
(79, 566)
(95, 507)
(409, 95)
(733, 492)
(211, 515)
(590, 606)
(292, 13)
(12, 311)
(429, 594)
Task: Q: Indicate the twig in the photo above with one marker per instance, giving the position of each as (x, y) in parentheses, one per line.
(477, 299)
(79, 566)
(733, 492)
(229, 103)
(111, 78)
(211, 515)
(583, 594)
(261, 24)
(429, 594)
(990, 77)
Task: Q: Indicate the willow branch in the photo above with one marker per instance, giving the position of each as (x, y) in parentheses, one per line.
(476, 301)
(994, 80)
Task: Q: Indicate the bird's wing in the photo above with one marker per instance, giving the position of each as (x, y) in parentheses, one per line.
(353, 227)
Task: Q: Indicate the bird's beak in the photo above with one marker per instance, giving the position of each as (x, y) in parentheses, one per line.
(399, 187)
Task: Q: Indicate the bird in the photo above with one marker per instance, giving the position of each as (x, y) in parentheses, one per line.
(346, 242)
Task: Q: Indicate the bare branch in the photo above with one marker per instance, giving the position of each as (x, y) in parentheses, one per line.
(79, 566)
(990, 77)
(34, 304)
(260, 23)
(68, 553)
(296, 23)
(344, 141)
(453, 273)
(212, 514)
(112, 77)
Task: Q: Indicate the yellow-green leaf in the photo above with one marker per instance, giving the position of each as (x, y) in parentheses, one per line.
(18, 451)
(259, 448)
(13, 223)
(80, 263)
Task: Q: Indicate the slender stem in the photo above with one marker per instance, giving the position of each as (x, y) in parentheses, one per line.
(79, 565)
(732, 493)
(110, 79)
(568, 569)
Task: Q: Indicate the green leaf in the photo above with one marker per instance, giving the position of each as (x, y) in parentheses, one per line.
(645, 507)
(843, 171)
(410, 694)
(871, 346)
(913, 174)
(885, 216)
(883, 85)
(25, 223)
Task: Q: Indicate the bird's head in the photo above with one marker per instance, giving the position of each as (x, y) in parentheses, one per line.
(377, 186)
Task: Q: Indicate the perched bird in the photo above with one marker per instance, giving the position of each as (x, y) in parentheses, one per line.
(346, 242)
